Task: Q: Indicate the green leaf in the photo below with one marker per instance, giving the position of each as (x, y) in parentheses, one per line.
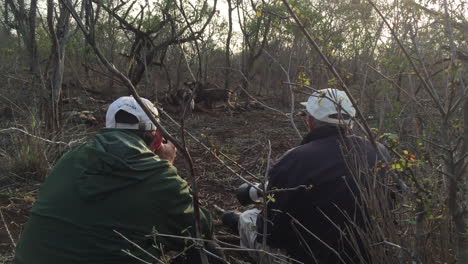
(271, 198)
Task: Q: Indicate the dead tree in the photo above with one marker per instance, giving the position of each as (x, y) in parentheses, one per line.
(150, 41)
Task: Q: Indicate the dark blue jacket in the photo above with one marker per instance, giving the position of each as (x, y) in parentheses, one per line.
(322, 166)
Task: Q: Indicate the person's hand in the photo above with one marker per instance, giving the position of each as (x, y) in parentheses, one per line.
(167, 151)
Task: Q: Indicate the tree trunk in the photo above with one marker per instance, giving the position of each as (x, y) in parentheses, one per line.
(228, 45)
(457, 196)
(459, 213)
(25, 24)
(34, 59)
(54, 79)
(143, 56)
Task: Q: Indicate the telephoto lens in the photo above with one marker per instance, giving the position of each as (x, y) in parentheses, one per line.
(248, 194)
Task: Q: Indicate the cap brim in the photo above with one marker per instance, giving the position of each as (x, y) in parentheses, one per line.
(304, 103)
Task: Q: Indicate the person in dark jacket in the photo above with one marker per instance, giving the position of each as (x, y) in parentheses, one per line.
(118, 187)
(314, 190)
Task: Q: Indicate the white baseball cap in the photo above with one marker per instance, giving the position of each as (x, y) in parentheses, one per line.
(131, 106)
(331, 106)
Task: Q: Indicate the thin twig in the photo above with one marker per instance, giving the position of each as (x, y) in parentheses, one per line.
(138, 246)
(399, 247)
(232, 248)
(299, 187)
(316, 237)
(7, 229)
(410, 60)
(15, 129)
(126, 251)
(251, 96)
(291, 114)
(333, 71)
(265, 200)
(396, 85)
(213, 255)
(216, 153)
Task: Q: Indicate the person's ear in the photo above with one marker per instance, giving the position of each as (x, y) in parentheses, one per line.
(148, 137)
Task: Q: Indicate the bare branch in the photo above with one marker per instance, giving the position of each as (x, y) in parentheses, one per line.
(333, 70)
(291, 113)
(69, 144)
(429, 90)
(138, 246)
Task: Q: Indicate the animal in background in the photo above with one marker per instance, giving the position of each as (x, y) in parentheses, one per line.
(178, 99)
(208, 95)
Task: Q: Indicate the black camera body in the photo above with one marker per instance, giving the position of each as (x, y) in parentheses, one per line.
(248, 194)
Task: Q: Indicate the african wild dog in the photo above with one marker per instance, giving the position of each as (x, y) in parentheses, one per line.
(180, 100)
(208, 95)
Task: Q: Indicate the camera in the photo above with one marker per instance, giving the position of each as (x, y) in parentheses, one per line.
(248, 194)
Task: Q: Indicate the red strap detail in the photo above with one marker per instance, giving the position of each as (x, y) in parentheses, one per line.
(157, 141)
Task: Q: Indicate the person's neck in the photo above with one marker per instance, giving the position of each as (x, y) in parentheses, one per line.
(323, 132)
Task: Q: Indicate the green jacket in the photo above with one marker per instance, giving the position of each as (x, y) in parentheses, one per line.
(113, 182)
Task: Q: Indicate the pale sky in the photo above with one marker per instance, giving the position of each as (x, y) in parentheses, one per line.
(223, 8)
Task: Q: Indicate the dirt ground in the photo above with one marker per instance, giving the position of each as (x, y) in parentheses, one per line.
(242, 136)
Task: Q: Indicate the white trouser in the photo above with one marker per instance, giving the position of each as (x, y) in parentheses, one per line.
(248, 239)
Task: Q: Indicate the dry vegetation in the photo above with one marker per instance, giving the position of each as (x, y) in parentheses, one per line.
(409, 78)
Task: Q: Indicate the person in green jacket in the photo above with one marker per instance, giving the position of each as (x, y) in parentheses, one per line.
(121, 183)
